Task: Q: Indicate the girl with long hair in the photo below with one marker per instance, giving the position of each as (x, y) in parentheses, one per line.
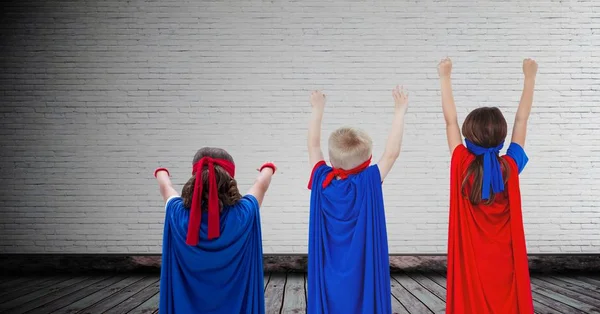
(212, 242)
(487, 257)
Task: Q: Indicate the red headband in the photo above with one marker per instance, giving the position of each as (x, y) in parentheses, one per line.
(214, 228)
(343, 174)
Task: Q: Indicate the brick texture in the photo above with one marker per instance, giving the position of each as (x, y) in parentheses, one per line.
(96, 94)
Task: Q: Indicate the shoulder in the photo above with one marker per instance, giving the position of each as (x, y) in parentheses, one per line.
(173, 205)
(517, 154)
(373, 172)
(461, 154)
(319, 170)
(460, 150)
(247, 205)
(516, 151)
(461, 159)
(173, 201)
(249, 201)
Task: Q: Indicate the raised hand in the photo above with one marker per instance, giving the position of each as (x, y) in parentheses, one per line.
(520, 127)
(317, 99)
(394, 142)
(445, 67)
(263, 181)
(448, 105)
(400, 98)
(530, 68)
(269, 164)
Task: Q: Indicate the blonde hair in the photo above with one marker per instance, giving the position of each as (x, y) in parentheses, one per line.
(349, 147)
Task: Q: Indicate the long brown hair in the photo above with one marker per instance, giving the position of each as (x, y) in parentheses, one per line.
(226, 185)
(485, 127)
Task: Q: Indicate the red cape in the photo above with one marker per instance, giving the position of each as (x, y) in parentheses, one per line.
(487, 258)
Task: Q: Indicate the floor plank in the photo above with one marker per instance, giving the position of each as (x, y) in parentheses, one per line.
(540, 308)
(585, 308)
(409, 301)
(397, 307)
(48, 300)
(437, 278)
(99, 295)
(148, 307)
(550, 302)
(590, 287)
(431, 301)
(13, 282)
(135, 300)
(120, 296)
(432, 286)
(16, 293)
(577, 297)
(76, 295)
(412, 292)
(576, 285)
(274, 293)
(22, 288)
(294, 296)
(306, 288)
(41, 293)
(266, 280)
(595, 282)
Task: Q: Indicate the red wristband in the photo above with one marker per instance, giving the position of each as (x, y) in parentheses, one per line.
(161, 169)
(268, 165)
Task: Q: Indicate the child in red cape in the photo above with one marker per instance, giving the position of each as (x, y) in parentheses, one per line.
(487, 257)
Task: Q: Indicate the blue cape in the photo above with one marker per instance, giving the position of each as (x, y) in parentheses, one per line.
(348, 261)
(224, 275)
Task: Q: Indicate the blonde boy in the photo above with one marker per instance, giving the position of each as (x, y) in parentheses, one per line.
(348, 263)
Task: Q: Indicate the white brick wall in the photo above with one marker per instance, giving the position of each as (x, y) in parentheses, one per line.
(96, 94)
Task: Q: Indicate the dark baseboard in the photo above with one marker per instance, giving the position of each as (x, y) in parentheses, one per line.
(20, 264)
(537, 263)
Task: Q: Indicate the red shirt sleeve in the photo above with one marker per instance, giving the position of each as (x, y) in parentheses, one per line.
(312, 174)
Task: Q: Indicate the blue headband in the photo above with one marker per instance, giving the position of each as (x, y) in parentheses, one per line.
(492, 173)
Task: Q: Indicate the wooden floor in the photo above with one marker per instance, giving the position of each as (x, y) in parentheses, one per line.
(284, 293)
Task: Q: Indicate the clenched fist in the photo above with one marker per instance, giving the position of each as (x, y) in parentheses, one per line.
(317, 99)
(445, 67)
(400, 98)
(530, 68)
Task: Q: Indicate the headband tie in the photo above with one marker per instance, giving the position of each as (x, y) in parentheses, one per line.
(214, 228)
(492, 172)
(343, 174)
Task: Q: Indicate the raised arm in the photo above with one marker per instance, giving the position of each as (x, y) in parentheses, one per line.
(520, 127)
(164, 183)
(394, 142)
(262, 182)
(448, 106)
(317, 101)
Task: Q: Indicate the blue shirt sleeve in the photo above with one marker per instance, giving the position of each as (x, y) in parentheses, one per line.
(247, 208)
(173, 205)
(517, 153)
(251, 202)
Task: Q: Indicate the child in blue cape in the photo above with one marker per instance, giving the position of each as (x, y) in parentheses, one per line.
(212, 243)
(348, 262)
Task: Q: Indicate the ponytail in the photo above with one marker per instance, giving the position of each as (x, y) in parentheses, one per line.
(475, 171)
